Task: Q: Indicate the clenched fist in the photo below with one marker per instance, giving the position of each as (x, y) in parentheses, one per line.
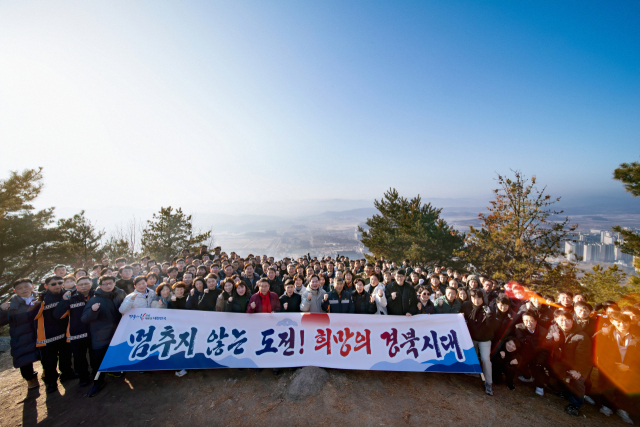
(253, 305)
(393, 295)
(285, 305)
(95, 306)
(326, 297)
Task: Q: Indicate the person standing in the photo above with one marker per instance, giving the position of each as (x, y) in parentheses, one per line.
(401, 297)
(19, 313)
(482, 324)
(55, 351)
(102, 315)
(71, 306)
(570, 358)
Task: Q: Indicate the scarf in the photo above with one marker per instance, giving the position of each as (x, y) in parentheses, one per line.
(475, 310)
(266, 302)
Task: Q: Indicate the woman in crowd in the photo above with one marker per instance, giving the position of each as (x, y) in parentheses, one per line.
(163, 293)
(482, 324)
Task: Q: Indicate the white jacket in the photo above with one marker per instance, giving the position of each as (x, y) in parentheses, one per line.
(381, 301)
(143, 300)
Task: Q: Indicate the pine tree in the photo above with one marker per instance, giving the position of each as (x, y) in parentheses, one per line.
(168, 232)
(82, 240)
(409, 229)
(629, 174)
(601, 285)
(518, 236)
(30, 243)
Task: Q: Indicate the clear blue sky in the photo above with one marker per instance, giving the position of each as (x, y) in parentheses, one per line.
(194, 103)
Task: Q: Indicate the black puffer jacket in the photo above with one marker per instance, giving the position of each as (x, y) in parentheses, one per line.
(22, 329)
(103, 323)
(573, 351)
(531, 342)
(406, 299)
(483, 325)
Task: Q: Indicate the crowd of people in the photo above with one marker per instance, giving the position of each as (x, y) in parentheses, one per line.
(551, 341)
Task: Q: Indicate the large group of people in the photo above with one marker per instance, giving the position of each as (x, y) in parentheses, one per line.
(551, 341)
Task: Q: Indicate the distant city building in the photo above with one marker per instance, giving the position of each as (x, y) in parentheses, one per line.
(597, 246)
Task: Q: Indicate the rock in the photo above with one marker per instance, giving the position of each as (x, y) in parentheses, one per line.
(5, 344)
(308, 382)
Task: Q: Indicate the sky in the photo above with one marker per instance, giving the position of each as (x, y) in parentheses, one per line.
(213, 106)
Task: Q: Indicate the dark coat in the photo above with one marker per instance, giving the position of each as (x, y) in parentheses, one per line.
(22, 330)
(362, 303)
(293, 303)
(178, 304)
(483, 325)
(273, 300)
(239, 303)
(572, 352)
(126, 285)
(103, 323)
(506, 323)
(50, 329)
(73, 309)
(208, 300)
(406, 299)
(426, 308)
(531, 342)
(251, 281)
(588, 326)
(342, 303)
(275, 286)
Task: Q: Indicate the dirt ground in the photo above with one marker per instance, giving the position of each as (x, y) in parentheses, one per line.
(231, 397)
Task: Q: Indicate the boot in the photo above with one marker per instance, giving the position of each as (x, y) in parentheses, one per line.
(33, 382)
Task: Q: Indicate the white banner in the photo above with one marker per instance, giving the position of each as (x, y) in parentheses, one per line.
(154, 339)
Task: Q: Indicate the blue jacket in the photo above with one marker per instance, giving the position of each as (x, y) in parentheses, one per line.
(339, 304)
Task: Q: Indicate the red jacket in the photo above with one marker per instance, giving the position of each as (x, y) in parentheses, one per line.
(273, 298)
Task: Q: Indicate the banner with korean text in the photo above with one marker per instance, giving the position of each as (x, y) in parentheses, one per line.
(155, 339)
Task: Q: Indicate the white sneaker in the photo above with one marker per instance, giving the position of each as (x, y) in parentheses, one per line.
(539, 391)
(525, 380)
(589, 400)
(181, 373)
(606, 411)
(625, 416)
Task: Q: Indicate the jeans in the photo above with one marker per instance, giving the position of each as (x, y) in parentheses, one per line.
(483, 349)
